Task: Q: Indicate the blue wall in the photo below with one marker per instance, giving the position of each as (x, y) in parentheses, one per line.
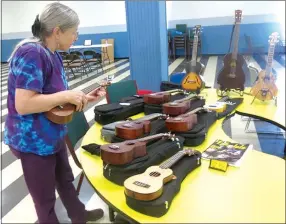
(215, 39)
(120, 43)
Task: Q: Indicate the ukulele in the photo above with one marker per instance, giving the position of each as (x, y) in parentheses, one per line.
(232, 75)
(160, 97)
(149, 185)
(193, 81)
(124, 152)
(63, 114)
(178, 107)
(219, 106)
(135, 129)
(265, 88)
(183, 122)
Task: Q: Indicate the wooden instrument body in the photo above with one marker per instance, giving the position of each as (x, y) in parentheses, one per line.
(193, 80)
(122, 153)
(265, 87)
(61, 114)
(148, 185)
(132, 129)
(182, 123)
(157, 98)
(176, 108)
(226, 79)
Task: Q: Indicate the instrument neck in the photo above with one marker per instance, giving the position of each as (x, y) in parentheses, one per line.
(194, 111)
(186, 98)
(171, 161)
(225, 98)
(152, 137)
(235, 41)
(195, 51)
(169, 91)
(269, 60)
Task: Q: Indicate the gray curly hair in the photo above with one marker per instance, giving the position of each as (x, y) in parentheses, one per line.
(53, 15)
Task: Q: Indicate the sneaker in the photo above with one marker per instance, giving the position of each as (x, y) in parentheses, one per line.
(94, 215)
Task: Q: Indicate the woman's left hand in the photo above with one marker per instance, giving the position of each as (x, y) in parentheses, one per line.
(96, 94)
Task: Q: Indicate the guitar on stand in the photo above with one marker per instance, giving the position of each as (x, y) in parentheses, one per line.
(232, 76)
(265, 88)
(193, 81)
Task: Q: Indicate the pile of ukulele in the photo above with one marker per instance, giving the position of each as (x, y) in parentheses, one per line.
(150, 162)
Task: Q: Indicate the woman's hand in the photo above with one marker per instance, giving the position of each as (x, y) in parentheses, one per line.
(78, 98)
(95, 94)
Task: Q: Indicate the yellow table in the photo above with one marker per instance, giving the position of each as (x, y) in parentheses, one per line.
(255, 192)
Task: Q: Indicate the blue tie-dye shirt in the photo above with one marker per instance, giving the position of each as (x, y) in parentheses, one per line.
(34, 67)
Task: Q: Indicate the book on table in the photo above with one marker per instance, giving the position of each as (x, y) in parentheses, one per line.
(231, 152)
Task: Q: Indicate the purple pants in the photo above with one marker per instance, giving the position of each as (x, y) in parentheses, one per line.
(44, 174)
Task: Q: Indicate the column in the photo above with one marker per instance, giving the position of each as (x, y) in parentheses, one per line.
(147, 38)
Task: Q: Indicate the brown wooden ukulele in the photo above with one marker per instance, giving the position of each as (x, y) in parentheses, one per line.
(265, 87)
(178, 107)
(160, 97)
(183, 122)
(193, 81)
(124, 152)
(135, 129)
(63, 114)
(232, 75)
(149, 185)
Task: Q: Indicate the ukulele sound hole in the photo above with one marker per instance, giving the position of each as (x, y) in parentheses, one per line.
(140, 184)
(154, 174)
(114, 147)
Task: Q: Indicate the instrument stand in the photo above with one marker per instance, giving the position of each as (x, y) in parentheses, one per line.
(265, 92)
(225, 92)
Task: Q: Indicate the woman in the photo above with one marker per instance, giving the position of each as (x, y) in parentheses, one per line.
(37, 84)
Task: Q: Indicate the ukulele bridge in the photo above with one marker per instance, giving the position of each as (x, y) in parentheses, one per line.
(140, 184)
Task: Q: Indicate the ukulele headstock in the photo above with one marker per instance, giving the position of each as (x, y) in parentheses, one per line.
(274, 38)
(238, 14)
(197, 30)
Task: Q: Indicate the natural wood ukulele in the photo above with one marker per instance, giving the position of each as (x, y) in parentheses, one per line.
(232, 76)
(265, 87)
(124, 152)
(160, 97)
(63, 114)
(149, 185)
(193, 81)
(181, 106)
(135, 129)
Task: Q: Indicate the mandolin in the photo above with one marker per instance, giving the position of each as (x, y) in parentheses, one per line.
(135, 129)
(232, 76)
(183, 122)
(124, 152)
(149, 185)
(160, 97)
(265, 87)
(193, 81)
(219, 106)
(178, 107)
(63, 114)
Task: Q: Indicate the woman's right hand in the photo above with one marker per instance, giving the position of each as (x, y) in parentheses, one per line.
(76, 97)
